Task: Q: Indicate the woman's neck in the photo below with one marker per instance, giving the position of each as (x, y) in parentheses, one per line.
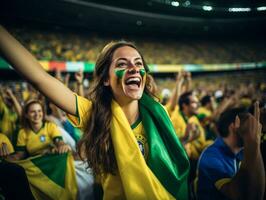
(131, 111)
(36, 127)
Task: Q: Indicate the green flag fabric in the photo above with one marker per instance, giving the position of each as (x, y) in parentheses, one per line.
(51, 176)
(167, 157)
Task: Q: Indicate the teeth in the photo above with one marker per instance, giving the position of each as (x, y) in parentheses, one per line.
(133, 79)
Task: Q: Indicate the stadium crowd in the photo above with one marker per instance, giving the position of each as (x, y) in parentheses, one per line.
(219, 125)
(200, 131)
(68, 46)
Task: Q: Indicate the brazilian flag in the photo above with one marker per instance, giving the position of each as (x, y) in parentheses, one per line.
(51, 176)
(165, 173)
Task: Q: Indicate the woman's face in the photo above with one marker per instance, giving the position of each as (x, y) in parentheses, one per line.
(130, 85)
(35, 113)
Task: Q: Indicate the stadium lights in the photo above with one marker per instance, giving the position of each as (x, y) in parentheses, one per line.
(262, 8)
(186, 3)
(239, 9)
(207, 8)
(175, 3)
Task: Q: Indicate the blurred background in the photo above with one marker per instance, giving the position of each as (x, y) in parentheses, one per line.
(219, 46)
(219, 42)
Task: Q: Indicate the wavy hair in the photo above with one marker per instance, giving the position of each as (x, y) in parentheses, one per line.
(24, 120)
(96, 142)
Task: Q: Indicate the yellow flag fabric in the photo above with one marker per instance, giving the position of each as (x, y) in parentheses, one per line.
(51, 176)
(163, 176)
(136, 178)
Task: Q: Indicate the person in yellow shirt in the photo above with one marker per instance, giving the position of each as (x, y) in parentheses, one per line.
(118, 98)
(205, 114)
(189, 129)
(10, 110)
(6, 147)
(37, 136)
(209, 113)
(185, 118)
(183, 84)
(207, 106)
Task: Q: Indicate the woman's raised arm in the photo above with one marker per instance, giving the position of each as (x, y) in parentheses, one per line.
(25, 63)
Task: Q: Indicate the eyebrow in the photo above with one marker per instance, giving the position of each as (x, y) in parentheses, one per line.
(138, 58)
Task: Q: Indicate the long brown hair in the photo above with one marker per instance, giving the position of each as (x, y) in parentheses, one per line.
(97, 141)
(25, 123)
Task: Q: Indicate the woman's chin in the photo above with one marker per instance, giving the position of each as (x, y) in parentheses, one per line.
(134, 95)
(35, 122)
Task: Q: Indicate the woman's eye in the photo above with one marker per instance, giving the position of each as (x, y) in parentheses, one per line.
(139, 64)
(121, 64)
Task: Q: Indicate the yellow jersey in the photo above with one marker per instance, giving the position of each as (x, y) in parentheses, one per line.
(35, 142)
(4, 139)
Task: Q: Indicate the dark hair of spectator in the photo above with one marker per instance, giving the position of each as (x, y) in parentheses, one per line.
(184, 99)
(205, 100)
(226, 119)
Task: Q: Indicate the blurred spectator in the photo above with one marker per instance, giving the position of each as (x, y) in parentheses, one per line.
(67, 46)
(220, 175)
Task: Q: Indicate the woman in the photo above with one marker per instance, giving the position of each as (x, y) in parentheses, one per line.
(38, 136)
(117, 102)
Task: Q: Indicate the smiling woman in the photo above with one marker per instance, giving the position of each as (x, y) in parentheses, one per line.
(129, 140)
(129, 84)
(37, 136)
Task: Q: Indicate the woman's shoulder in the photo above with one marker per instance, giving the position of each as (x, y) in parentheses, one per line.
(3, 137)
(49, 124)
(83, 100)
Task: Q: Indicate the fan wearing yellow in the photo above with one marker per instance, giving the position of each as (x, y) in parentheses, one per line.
(38, 136)
(187, 125)
(118, 98)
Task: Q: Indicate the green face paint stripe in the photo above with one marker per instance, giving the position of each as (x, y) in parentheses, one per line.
(142, 72)
(120, 73)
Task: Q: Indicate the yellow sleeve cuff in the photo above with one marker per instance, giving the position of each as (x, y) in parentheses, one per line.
(219, 184)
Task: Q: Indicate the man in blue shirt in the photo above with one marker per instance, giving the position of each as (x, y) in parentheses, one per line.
(220, 175)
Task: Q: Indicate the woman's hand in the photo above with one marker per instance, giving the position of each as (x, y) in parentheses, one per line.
(61, 148)
(192, 132)
(4, 150)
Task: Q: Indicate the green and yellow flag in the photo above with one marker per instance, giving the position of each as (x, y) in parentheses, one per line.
(51, 176)
(165, 174)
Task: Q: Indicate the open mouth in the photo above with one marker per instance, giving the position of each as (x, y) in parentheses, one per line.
(133, 81)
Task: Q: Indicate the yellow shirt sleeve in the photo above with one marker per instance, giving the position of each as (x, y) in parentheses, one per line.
(194, 120)
(167, 107)
(178, 123)
(22, 139)
(53, 131)
(83, 111)
(4, 139)
(1, 104)
(220, 183)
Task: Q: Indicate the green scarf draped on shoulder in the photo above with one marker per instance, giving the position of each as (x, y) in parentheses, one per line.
(165, 174)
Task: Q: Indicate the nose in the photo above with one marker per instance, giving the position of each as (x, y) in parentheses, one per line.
(133, 70)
